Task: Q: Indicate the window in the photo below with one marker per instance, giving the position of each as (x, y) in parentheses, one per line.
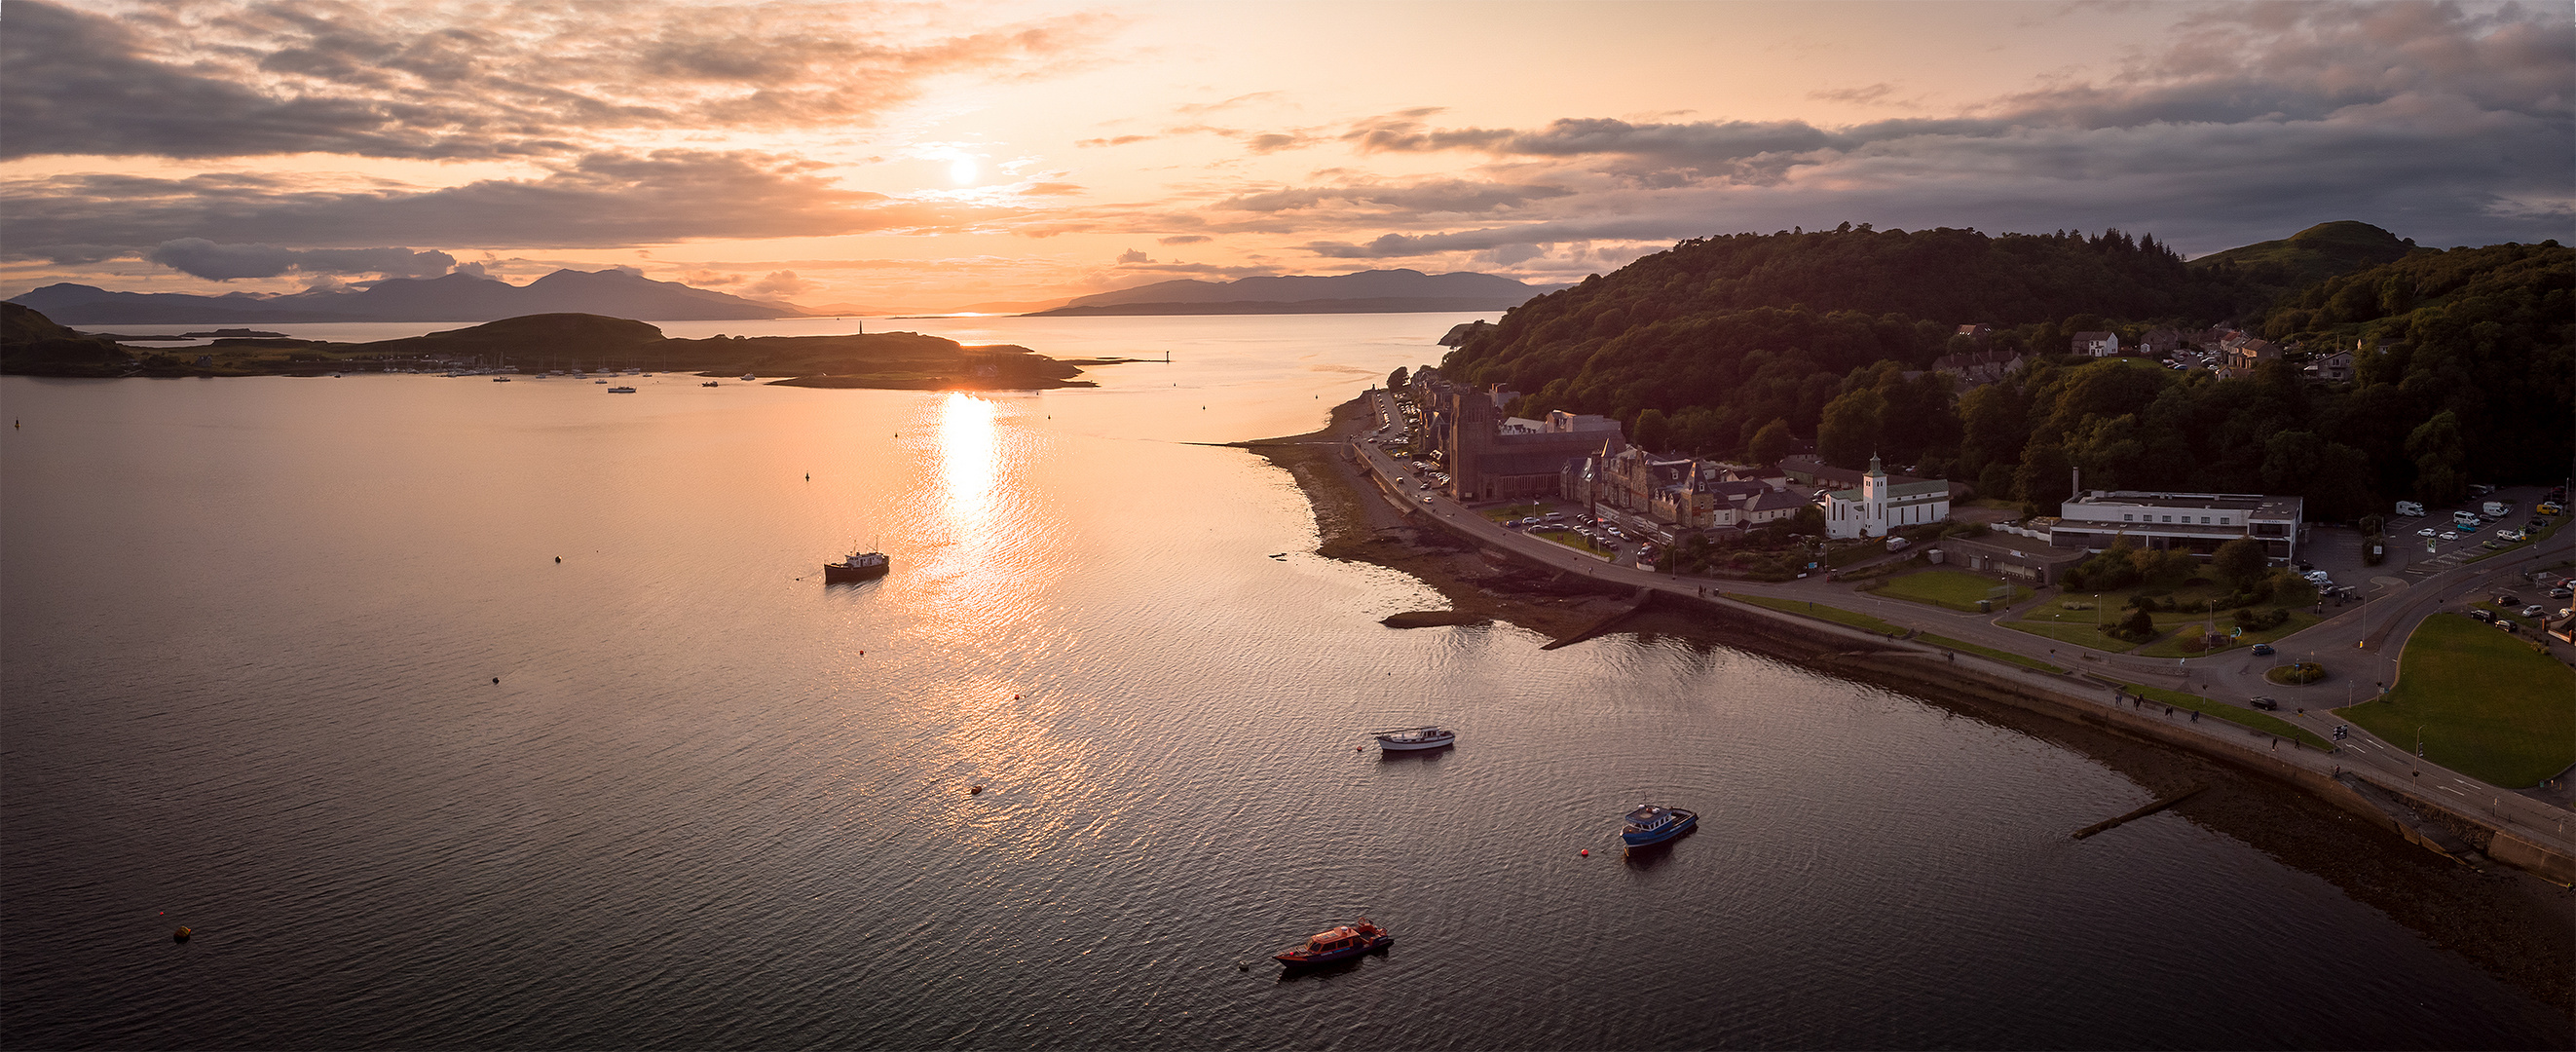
(2168, 518)
(2204, 520)
(2124, 517)
(2226, 521)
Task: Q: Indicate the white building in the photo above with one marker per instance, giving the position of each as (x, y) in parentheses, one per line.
(2191, 522)
(1877, 507)
(2095, 344)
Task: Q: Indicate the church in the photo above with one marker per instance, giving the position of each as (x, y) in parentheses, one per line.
(1878, 507)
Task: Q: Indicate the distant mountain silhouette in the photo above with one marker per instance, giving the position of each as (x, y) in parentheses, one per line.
(455, 297)
(1373, 291)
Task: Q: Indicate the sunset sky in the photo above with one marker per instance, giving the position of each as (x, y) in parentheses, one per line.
(903, 157)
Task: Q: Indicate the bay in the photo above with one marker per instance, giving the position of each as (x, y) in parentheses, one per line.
(253, 628)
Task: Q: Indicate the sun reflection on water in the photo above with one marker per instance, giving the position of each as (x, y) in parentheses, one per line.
(967, 452)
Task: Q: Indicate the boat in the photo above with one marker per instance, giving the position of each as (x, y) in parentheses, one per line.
(500, 379)
(621, 389)
(1337, 943)
(709, 383)
(1652, 824)
(860, 566)
(599, 381)
(1404, 739)
(749, 378)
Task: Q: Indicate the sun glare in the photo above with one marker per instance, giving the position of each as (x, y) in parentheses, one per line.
(966, 456)
(962, 171)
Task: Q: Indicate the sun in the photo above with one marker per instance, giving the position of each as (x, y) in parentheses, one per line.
(962, 171)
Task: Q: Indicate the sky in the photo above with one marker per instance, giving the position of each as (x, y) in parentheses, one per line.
(894, 158)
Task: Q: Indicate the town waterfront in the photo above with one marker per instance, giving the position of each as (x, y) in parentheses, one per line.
(253, 629)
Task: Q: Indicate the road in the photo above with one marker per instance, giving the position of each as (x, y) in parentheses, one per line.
(2356, 645)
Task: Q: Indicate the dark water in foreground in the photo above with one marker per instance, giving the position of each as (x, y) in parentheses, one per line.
(251, 629)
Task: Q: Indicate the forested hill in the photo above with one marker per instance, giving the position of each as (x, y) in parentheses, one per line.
(1741, 346)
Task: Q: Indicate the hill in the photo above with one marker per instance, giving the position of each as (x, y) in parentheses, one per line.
(1373, 291)
(2311, 255)
(32, 343)
(454, 297)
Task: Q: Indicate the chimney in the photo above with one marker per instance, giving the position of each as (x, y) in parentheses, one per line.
(2079, 483)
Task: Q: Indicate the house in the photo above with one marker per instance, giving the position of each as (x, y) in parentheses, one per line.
(2160, 342)
(2189, 522)
(1879, 505)
(2243, 355)
(2095, 344)
(1977, 332)
(1980, 368)
(2334, 368)
(1489, 458)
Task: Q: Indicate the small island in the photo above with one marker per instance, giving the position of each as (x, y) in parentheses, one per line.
(31, 344)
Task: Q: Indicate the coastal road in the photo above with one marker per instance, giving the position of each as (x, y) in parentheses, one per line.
(2349, 644)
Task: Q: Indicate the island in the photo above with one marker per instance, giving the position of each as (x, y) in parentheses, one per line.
(31, 344)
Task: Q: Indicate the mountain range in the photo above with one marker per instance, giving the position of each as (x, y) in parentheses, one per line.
(1367, 292)
(455, 297)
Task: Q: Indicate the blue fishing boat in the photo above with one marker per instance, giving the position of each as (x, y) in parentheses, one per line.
(1650, 824)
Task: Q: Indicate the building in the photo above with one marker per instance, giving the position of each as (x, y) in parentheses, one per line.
(1879, 505)
(1980, 368)
(2036, 565)
(1488, 460)
(2095, 344)
(2333, 368)
(2193, 522)
(2158, 343)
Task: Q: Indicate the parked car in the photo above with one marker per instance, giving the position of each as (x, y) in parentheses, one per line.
(2508, 626)
(2533, 610)
(2266, 704)
(2507, 599)
(2562, 592)
(2262, 650)
(2428, 532)
(2481, 615)
(2450, 536)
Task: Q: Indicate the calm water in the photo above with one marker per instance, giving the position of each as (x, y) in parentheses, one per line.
(252, 627)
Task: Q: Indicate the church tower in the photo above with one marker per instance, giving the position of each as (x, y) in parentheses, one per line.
(1873, 500)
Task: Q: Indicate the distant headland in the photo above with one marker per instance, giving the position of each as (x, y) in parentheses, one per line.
(32, 344)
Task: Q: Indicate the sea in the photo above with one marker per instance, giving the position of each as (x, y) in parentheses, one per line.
(458, 714)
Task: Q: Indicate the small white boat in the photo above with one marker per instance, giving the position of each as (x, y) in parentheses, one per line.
(1407, 739)
(749, 378)
(621, 389)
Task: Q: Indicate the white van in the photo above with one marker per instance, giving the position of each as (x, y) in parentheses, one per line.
(2466, 518)
(2497, 509)
(2410, 509)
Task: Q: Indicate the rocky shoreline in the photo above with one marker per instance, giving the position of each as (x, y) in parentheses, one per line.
(2514, 925)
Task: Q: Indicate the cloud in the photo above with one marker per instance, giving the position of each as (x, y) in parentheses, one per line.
(216, 262)
(780, 284)
(245, 78)
(1118, 141)
(1443, 195)
(1131, 256)
(1182, 239)
(595, 201)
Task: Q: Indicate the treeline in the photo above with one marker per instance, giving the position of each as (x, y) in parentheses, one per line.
(2465, 368)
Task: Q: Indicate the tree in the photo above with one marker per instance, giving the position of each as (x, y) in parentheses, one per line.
(1771, 443)
(2440, 457)
(1651, 431)
(2241, 563)
(1849, 434)
(2045, 478)
(1395, 379)
(2140, 624)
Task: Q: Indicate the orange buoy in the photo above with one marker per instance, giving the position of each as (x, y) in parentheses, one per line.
(181, 935)
(972, 790)
(1587, 852)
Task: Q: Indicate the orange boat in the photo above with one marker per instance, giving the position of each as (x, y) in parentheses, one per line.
(1337, 943)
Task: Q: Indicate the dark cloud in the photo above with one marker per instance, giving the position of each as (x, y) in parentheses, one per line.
(1445, 195)
(206, 259)
(1182, 239)
(597, 201)
(334, 77)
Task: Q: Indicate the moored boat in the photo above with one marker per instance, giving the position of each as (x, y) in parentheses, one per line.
(860, 566)
(1406, 739)
(1652, 824)
(1337, 943)
(621, 389)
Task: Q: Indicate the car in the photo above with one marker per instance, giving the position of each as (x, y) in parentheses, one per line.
(2481, 615)
(2262, 650)
(2562, 592)
(2507, 625)
(2266, 704)
(2450, 536)
(2428, 532)
(2533, 610)
(2507, 599)
(2317, 576)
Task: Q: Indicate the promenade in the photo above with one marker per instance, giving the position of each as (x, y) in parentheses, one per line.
(2356, 645)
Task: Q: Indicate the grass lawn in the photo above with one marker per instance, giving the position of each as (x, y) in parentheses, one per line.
(1571, 539)
(1956, 589)
(2075, 626)
(2261, 721)
(2488, 707)
(1515, 512)
(2077, 633)
(1836, 615)
(1999, 655)
(2171, 646)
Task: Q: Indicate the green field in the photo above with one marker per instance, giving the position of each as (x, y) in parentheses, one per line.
(2485, 704)
(1999, 655)
(1955, 589)
(1836, 615)
(1515, 512)
(1571, 539)
(2261, 721)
